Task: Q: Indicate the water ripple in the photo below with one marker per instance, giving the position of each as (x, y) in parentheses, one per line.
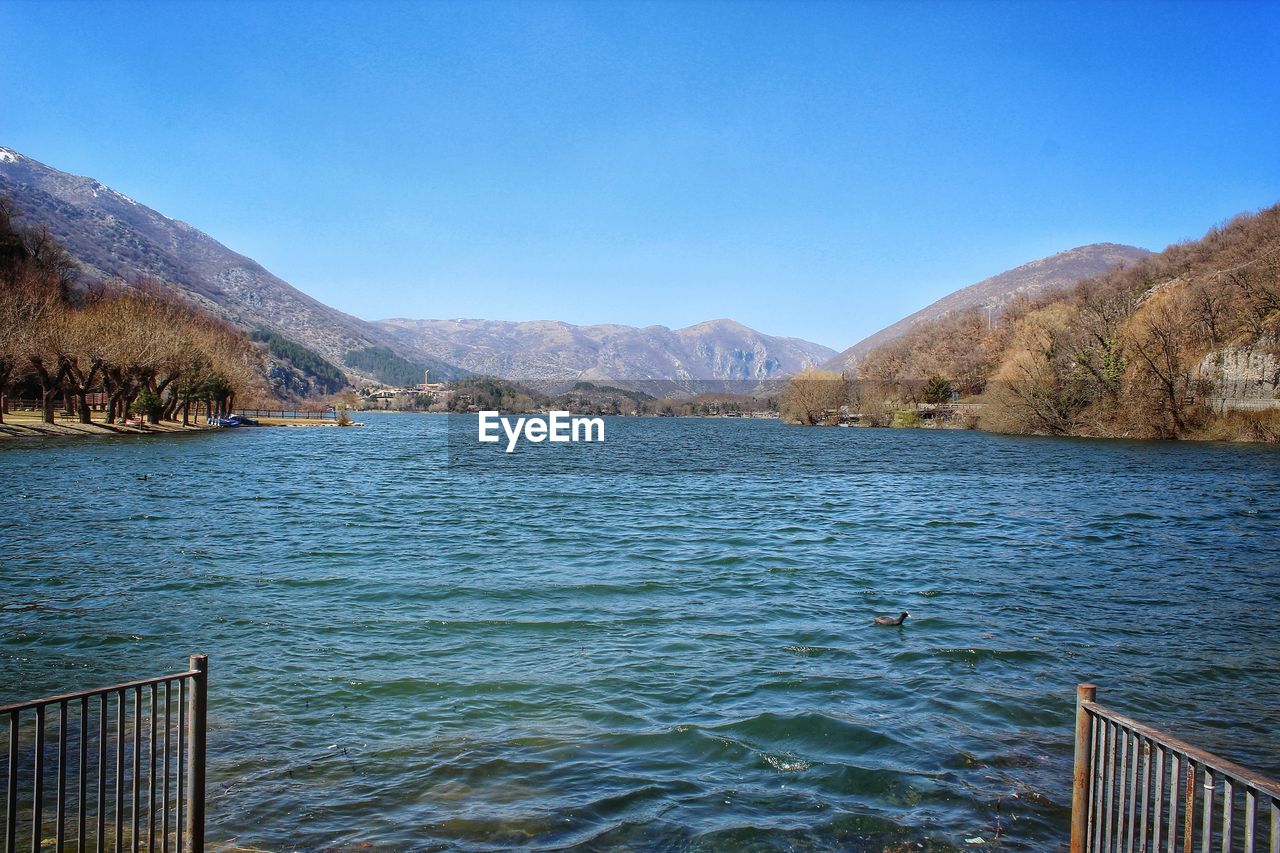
(663, 646)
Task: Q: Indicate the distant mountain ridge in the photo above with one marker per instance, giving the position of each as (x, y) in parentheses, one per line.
(115, 237)
(545, 350)
(1055, 272)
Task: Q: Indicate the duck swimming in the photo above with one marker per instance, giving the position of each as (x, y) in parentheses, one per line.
(890, 620)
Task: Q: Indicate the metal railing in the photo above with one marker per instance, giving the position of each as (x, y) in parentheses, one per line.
(116, 768)
(1138, 790)
(294, 414)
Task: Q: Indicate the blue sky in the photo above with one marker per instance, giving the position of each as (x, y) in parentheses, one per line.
(810, 169)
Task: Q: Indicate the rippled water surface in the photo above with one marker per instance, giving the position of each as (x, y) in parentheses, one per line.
(664, 643)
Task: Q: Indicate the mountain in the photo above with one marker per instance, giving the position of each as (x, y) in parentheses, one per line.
(548, 350)
(1054, 273)
(115, 237)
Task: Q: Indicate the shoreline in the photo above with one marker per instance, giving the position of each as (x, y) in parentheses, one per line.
(35, 428)
(18, 425)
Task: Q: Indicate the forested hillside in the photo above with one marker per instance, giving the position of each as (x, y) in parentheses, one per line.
(388, 368)
(141, 350)
(298, 371)
(114, 238)
(1039, 278)
(1179, 344)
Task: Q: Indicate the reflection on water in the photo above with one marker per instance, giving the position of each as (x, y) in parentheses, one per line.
(665, 645)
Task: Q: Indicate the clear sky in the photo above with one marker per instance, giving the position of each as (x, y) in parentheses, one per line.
(810, 169)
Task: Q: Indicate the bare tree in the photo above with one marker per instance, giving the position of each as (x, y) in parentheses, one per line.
(50, 258)
(812, 395)
(1159, 338)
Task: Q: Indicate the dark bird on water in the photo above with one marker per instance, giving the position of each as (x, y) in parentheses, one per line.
(890, 620)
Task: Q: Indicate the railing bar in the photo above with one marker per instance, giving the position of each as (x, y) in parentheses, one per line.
(60, 837)
(83, 786)
(1206, 759)
(1133, 793)
(1093, 754)
(1228, 813)
(182, 758)
(1250, 809)
(1100, 785)
(1158, 796)
(102, 775)
(1098, 781)
(1174, 779)
(164, 828)
(11, 792)
(1116, 842)
(197, 744)
(1146, 794)
(137, 766)
(1206, 815)
(37, 785)
(151, 777)
(1111, 785)
(119, 812)
(1081, 771)
(1120, 782)
(1189, 807)
(1275, 826)
(97, 691)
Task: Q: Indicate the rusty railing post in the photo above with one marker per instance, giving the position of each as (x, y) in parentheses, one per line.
(1082, 772)
(197, 727)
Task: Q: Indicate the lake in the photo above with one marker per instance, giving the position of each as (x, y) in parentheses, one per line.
(662, 642)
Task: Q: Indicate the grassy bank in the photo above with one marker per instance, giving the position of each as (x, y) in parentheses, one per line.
(29, 425)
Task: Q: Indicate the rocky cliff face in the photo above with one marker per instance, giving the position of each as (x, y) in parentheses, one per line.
(1056, 272)
(115, 237)
(551, 350)
(1244, 377)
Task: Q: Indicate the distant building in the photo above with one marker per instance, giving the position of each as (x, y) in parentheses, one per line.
(426, 386)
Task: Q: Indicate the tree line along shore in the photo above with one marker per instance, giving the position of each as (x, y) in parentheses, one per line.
(127, 350)
(1183, 344)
